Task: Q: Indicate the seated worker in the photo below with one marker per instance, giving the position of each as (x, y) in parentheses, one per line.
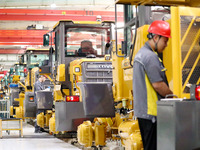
(86, 48)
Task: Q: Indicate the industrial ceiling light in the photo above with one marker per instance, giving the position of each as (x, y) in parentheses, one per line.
(53, 5)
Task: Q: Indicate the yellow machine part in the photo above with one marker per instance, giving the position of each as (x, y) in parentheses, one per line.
(65, 91)
(52, 125)
(126, 128)
(16, 78)
(106, 121)
(27, 81)
(134, 142)
(11, 110)
(117, 75)
(61, 73)
(99, 134)
(40, 120)
(117, 120)
(76, 77)
(57, 93)
(47, 118)
(140, 39)
(18, 112)
(33, 78)
(85, 134)
(21, 99)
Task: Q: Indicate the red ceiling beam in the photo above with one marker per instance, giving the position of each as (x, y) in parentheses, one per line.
(23, 33)
(21, 43)
(56, 15)
(22, 37)
(11, 51)
(21, 40)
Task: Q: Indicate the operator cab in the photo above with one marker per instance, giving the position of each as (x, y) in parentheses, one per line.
(82, 39)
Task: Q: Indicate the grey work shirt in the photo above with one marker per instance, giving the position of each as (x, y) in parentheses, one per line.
(146, 62)
(37, 87)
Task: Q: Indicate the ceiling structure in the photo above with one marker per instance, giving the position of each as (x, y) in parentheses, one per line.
(16, 10)
(23, 22)
(60, 4)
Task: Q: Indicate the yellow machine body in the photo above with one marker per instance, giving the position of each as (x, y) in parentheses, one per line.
(61, 73)
(58, 93)
(16, 78)
(52, 124)
(40, 120)
(76, 77)
(11, 110)
(58, 96)
(123, 91)
(126, 128)
(134, 142)
(43, 119)
(96, 132)
(19, 113)
(47, 118)
(181, 58)
(65, 73)
(32, 82)
(100, 134)
(85, 134)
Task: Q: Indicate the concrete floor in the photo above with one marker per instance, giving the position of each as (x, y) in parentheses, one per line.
(32, 141)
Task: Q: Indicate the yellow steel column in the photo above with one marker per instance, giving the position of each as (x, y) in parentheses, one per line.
(117, 74)
(176, 51)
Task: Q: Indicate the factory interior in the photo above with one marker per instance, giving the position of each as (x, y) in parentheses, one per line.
(100, 74)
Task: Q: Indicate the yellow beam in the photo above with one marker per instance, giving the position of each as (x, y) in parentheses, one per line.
(191, 71)
(176, 51)
(188, 11)
(50, 79)
(22, 84)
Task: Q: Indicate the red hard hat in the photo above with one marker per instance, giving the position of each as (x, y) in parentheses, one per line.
(160, 27)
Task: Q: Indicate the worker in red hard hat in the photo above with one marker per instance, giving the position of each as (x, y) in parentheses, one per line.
(159, 32)
(149, 82)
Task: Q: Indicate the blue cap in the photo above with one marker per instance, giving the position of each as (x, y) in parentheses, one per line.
(13, 85)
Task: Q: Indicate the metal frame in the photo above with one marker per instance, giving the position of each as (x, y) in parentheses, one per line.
(175, 64)
(6, 129)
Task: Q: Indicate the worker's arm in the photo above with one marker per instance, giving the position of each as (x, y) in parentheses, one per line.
(162, 88)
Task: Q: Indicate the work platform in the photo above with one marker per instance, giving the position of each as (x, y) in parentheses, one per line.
(5, 125)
